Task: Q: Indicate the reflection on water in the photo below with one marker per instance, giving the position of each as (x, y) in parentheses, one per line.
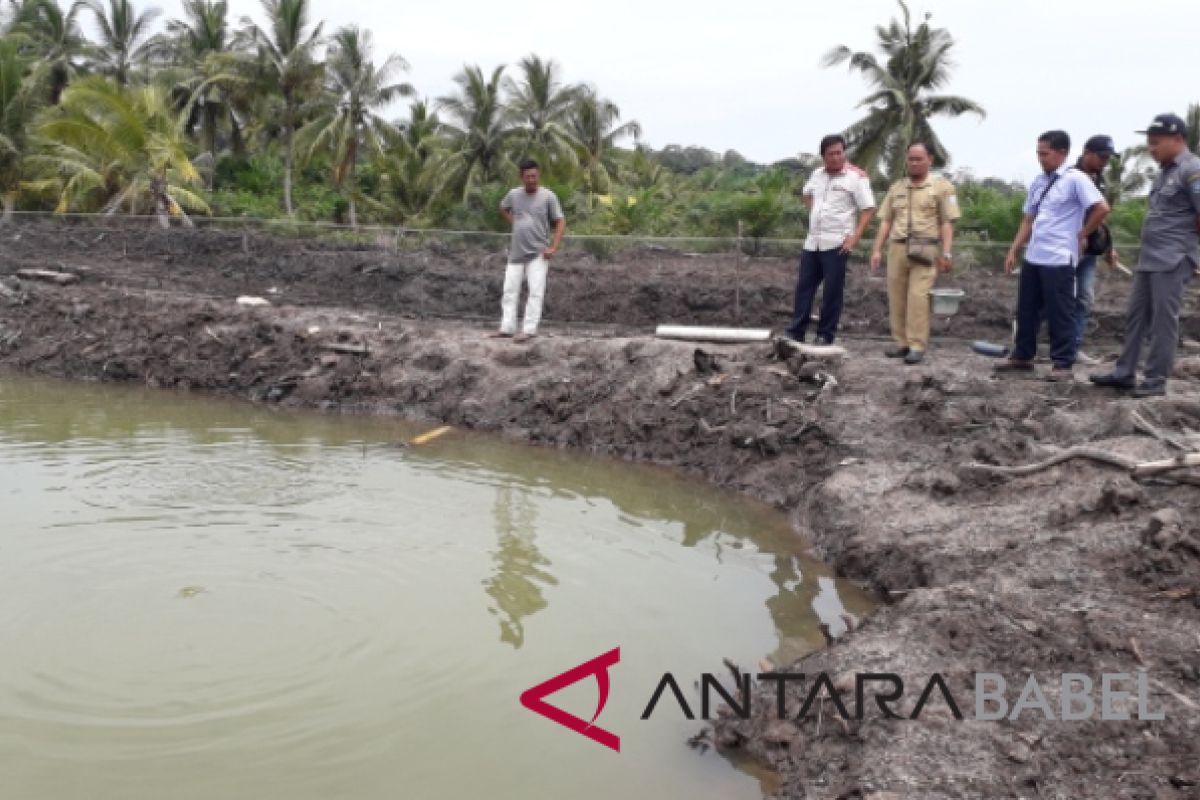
(201, 599)
(517, 583)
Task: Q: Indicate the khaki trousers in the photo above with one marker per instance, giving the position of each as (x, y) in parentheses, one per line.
(908, 298)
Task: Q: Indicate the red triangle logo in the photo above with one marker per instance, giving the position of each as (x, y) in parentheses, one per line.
(598, 666)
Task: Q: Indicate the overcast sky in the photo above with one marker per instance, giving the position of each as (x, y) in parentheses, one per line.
(746, 75)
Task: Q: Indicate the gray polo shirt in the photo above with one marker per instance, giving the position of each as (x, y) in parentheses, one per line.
(533, 216)
(1169, 234)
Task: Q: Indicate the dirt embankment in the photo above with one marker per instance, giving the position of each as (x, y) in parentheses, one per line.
(1078, 568)
(641, 288)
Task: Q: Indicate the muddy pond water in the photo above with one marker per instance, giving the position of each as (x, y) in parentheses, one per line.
(205, 599)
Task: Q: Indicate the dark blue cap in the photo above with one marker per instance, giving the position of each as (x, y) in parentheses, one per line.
(1100, 145)
(1166, 125)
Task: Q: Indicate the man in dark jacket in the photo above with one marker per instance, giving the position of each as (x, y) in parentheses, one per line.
(1097, 152)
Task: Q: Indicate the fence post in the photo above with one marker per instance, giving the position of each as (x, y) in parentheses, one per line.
(737, 277)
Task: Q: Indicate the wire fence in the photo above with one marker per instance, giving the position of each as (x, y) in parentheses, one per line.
(973, 250)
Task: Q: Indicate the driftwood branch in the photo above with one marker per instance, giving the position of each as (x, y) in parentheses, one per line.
(1141, 425)
(1144, 469)
(1088, 453)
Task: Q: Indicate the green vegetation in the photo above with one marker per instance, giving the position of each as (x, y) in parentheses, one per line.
(214, 116)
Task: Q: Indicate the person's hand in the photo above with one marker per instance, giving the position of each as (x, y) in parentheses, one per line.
(549, 252)
(849, 245)
(1114, 259)
(1010, 262)
(1082, 242)
(876, 258)
(944, 264)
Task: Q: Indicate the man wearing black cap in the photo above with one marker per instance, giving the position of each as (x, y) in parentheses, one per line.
(1170, 252)
(1096, 154)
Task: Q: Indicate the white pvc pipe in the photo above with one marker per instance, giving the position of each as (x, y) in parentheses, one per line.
(702, 334)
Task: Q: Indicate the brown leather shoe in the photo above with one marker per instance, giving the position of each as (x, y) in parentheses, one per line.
(1013, 365)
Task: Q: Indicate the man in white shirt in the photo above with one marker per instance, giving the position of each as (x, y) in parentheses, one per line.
(840, 205)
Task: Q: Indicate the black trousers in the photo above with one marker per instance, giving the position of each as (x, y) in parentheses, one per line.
(1046, 292)
(817, 267)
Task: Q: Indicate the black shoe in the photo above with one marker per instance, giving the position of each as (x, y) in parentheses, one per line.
(1111, 381)
(791, 337)
(914, 357)
(896, 352)
(1148, 389)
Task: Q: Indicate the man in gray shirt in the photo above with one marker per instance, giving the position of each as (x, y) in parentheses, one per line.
(531, 209)
(1170, 244)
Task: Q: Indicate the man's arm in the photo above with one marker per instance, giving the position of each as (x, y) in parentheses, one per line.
(809, 191)
(864, 219)
(506, 214)
(885, 228)
(1010, 261)
(1096, 215)
(559, 228)
(946, 262)
(948, 212)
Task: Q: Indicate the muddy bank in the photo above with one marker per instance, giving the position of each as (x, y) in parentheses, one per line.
(1074, 569)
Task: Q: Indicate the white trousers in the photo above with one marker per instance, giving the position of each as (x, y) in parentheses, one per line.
(535, 274)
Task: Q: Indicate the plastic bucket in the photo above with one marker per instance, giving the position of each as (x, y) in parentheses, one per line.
(945, 301)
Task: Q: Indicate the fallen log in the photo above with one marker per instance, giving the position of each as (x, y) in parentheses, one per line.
(46, 276)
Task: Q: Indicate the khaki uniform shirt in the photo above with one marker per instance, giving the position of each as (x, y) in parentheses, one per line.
(933, 203)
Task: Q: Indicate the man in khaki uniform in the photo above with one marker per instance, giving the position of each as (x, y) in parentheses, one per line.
(919, 209)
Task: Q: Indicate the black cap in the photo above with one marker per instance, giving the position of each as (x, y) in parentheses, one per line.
(1101, 145)
(1166, 125)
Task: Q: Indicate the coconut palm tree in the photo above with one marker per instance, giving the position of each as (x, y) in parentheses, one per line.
(594, 126)
(19, 101)
(903, 103)
(1128, 173)
(541, 105)
(108, 147)
(478, 129)
(53, 38)
(410, 164)
(123, 35)
(202, 30)
(209, 71)
(350, 122)
(287, 53)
